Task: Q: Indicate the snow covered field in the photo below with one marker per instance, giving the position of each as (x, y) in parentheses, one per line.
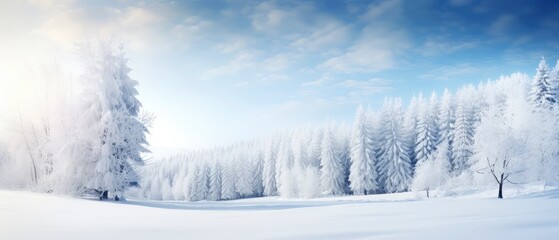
(26, 215)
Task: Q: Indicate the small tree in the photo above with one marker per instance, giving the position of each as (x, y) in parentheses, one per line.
(434, 171)
(500, 172)
(502, 139)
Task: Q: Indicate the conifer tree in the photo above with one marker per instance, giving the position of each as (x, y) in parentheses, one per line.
(543, 93)
(331, 168)
(363, 173)
(395, 163)
(112, 117)
(269, 168)
(427, 129)
(462, 138)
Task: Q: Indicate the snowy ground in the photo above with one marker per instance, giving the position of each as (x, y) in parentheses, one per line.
(395, 216)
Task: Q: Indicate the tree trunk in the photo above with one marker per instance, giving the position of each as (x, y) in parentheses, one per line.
(501, 187)
(427, 193)
(104, 195)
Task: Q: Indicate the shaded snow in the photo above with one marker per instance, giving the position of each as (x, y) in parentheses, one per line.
(392, 216)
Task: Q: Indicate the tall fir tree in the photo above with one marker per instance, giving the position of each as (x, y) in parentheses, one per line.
(363, 173)
(284, 161)
(228, 180)
(427, 129)
(113, 116)
(543, 93)
(395, 163)
(446, 122)
(314, 148)
(411, 124)
(257, 169)
(554, 82)
(269, 168)
(243, 185)
(331, 168)
(214, 192)
(463, 135)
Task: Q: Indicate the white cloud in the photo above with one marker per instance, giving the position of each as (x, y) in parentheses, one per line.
(270, 78)
(191, 29)
(271, 18)
(361, 89)
(254, 67)
(364, 57)
(319, 82)
(64, 28)
(52, 4)
(297, 112)
(327, 33)
(436, 46)
(460, 3)
(233, 45)
(451, 72)
(376, 50)
(140, 26)
(379, 44)
(242, 61)
(137, 17)
(280, 62)
(388, 10)
(502, 25)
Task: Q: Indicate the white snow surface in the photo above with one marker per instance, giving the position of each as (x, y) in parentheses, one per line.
(25, 215)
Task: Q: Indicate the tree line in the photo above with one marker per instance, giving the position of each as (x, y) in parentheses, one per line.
(508, 127)
(93, 141)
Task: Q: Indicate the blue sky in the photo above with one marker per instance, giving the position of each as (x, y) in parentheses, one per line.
(216, 72)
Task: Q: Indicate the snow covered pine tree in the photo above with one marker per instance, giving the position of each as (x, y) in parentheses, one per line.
(363, 173)
(110, 94)
(543, 93)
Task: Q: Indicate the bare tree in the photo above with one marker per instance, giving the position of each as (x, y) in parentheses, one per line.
(501, 172)
(33, 164)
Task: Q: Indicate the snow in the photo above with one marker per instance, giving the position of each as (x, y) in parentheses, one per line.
(26, 215)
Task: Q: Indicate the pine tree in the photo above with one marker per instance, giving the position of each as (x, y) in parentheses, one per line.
(543, 93)
(192, 182)
(113, 112)
(554, 82)
(202, 181)
(427, 129)
(179, 180)
(257, 170)
(3, 154)
(214, 192)
(331, 171)
(446, 117)
(243, 185)
(395, 163)
(269, 169)
(315, 148)
(342, 146)
(462, 138)
(411, 122)
(283, 163)
(299, 145)
(363, 174)
(228, 180)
